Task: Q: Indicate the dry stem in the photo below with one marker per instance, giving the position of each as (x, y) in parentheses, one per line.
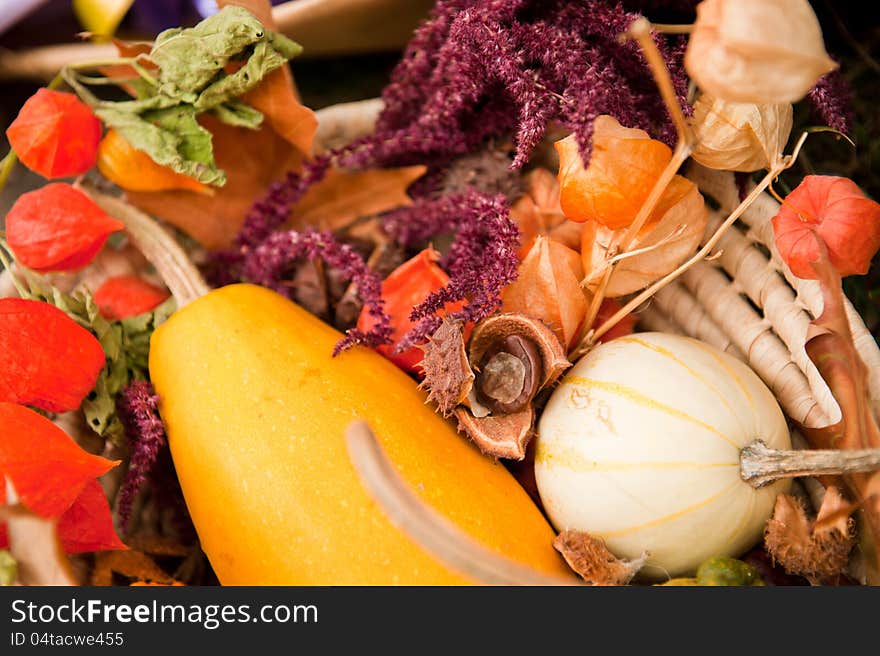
(760, 465)
(640, 30)
(158, 246)
(436, 534)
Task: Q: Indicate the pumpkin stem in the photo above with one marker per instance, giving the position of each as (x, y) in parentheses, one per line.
(158, 246)
(424, 525)
(760, 465)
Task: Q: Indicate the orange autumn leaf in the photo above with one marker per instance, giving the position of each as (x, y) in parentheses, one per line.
(88, 524)
(343, 196)
(624, 165)
(548, 288)
(276, 97)
(671, 235)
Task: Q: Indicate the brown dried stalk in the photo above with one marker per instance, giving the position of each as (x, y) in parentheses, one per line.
(761, 465)
(172, 263)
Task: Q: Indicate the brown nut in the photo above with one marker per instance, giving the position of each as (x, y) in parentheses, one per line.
(508, 375)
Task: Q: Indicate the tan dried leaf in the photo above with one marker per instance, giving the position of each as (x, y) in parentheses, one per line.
(757, 51)
(501, 436)
(548, 288)
(448, 375)
(734, 136)
(589, 557)
(816, 550)
(671, 235)
(343, 196)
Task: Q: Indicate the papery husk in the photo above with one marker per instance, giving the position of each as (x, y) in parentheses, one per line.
(673, 233)
(739, 136)
(548, 288)
(757, 51)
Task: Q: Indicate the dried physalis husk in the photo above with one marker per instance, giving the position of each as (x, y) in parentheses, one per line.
(818, 549)
(670, 236)
(548, 288)
(757, 51)
(733, 136)
(589, 557)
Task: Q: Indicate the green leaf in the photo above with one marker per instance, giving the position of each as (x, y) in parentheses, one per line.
(161, 121)
(189, 58)
(262, 61)
(238, 113)
(175, 140)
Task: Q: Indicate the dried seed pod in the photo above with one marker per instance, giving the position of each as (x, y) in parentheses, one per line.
(733, 136)
(816, 549)
(757, 51)
(590, 558)
(502, 436)
(499, 327)
(448, 375)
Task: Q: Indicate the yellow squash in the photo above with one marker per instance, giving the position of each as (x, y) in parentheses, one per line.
(256, 410)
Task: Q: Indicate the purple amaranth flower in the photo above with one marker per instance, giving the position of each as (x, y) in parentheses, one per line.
(481, 262)
(138, 408)
(545, 61)
(267, 264)
(831, 100)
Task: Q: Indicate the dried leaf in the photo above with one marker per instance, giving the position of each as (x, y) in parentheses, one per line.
(758, 51)
(590, 559)
(548, 288)
(624, 166)
(252, 161)
(838, 212)
(448, 374)
(343, 196)
(831, 348)
(501, 436)
(131, 564)
(670, 236)
(816, 550)
(739, 136)
(276, 96)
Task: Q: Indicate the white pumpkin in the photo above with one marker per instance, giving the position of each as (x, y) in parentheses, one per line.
(640, 445)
